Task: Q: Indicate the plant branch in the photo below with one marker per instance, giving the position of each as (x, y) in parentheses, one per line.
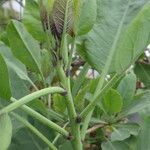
(31, 97)
(94, 128)
(75, 126)
(43, 119)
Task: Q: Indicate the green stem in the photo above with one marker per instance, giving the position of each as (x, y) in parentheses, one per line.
(75, 127)
(43, 119)
(34, 130)
(31, 97)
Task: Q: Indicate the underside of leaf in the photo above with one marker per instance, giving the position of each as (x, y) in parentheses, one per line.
(61, 19)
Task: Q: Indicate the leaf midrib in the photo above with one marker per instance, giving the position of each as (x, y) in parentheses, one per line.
(112, 51)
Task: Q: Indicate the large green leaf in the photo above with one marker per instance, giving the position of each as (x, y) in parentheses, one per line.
(115, 146)
(125, 131)
(138, 104)
(13, 63)
(5, 91)
(5, 131)
(25, 47)
(128, 144)
(143, 73)
(127, 88)
(144, 137)
(24, 139)
(17, 73)
(112, 21)
(134, 41)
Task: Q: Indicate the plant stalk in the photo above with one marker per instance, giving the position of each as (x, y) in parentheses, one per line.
(75, 126)
(31, 97)
(43, 119)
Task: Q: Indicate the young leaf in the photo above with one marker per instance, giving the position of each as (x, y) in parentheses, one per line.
(127, 88)
(25, 48)
(143, 73)
(5, 131)
(112, 102)
(61, 18)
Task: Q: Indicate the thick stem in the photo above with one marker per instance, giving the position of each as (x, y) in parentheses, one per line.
(75, 126)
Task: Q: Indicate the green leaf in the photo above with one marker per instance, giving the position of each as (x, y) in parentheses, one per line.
(128, 144)
(77, 7)
(127, 88)
(112, 102)
(87, 20)
(59, 103)
(5, 131)
(112, 21)
(138, 104)
(17, 73)
(32, 21)
(134, 41)
(124, 131)
(24, 139)
(143, 73)
(144, 137)
(79, 100)
(115, 146)
(34, 27)
(25, 48)
(66, 145)
(80, 79)
(5, 91)
(46, 63)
